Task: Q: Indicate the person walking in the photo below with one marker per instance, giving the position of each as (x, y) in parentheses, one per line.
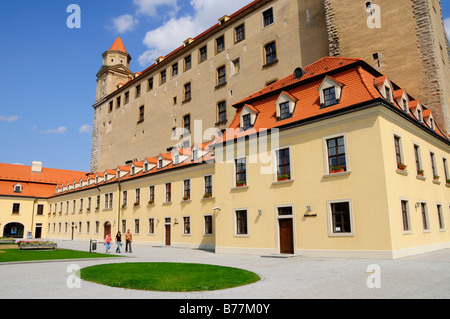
(118, 241)
(129, 240)
(108, 243)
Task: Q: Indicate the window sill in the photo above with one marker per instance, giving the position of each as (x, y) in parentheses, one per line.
(268, 65)
(436, 182)
(336, 174)
(141, 121)
(420, 177)
(239, 188)
(447, 185)
(221, 85)
(183, 201)
(241, 236)
(167, 203)
(186, 101)
(289, 181)
(221, 123)
(208, 198)
(399, 171)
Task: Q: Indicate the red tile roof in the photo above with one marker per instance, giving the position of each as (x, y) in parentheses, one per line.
(118, 45)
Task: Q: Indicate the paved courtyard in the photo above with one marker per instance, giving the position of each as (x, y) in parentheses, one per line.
(422, 276)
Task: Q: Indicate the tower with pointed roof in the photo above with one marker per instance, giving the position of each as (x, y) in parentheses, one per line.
(115, 69)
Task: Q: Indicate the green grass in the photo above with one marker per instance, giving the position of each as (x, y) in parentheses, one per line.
(10, 255)
(176, 277)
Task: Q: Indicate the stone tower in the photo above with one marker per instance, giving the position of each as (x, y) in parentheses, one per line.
(404, 38)
(115, 69)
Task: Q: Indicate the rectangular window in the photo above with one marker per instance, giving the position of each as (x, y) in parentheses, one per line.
(208, 224)
(240, 33)
(118, 101)
(151, 195)
(186, 225)
(241, 172)
(330, 96)
(163, 77)
(336, 155)
(124, 226)
(398, 152)
(187, 189)
(187, 124)
(284, 111)
(109, 201)
(221, 75)
(417, 159)
(222, 112)
(440, 217)
(40, 209)
(124, 198)
(203, 54)
(16, 208)
(271, 53)
(283, 164)
(220, 44)
(208, 187)
(151, 226)
(150, 84)
(447, 177)
(138, 91)
(97, 201)
(175, 70)
(241, 222)
(247, 121)
(110, 106)
(187, 63)
(424, 211)
(137, 201)
(405, 216)
(168, 192)
(187, 92)
(127, 97)
(433, 165)
(136, 226)
(268, 17)
(141, 114)
(341, 219)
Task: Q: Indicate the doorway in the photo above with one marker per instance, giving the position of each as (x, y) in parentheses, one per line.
(38, 231)
(13, 230)
(107, 228)
(167, 232)
(286, 236)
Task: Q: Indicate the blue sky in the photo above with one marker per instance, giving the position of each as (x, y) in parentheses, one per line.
(47, 82)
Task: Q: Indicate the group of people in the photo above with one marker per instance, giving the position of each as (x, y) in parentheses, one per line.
(128, 241)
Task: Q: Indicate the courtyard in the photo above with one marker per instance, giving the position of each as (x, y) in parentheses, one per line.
(421, 276)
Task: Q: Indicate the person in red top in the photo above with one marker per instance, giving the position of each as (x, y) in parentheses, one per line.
(108, 243)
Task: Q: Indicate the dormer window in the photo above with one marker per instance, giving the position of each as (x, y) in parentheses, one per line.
(330, 96)
(247, 122)
(330, 92)
(145, 167)
(387, 94)
(248, 117)
(177, 159)
(18, 188)
(285, 105)
(160, 163)
(133, 170)
(284, 111)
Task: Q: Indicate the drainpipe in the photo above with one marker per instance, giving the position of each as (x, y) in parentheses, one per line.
(32, 215)
(118, 206)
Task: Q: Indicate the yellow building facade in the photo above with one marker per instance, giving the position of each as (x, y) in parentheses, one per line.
(331, 161)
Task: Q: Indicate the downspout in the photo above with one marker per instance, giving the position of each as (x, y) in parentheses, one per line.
(118, 207)
(32, 215)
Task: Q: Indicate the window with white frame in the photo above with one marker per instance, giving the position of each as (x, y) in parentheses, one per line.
(340, 218)
(336, 154)
(186, 225)
(330, 92)
(440, 217)
(241, 221)
(151, 226)
(424, 213)
(406, 219)
(208, 224)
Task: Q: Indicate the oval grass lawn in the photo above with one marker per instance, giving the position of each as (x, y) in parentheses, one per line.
(176, 277)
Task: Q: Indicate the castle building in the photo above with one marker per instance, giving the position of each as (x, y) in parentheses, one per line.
(334, 160)
(137, 113)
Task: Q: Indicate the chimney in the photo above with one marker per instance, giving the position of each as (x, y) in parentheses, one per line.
(36, 167)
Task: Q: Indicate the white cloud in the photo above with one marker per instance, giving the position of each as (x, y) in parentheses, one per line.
(9, 119)
(59, 130)
(447, 26)
(150, 7)
(124, 23)
(85, 128)
(170, 35)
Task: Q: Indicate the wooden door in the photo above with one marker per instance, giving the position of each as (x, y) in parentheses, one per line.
(107, 229)
(286, 236)
(167, 235)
